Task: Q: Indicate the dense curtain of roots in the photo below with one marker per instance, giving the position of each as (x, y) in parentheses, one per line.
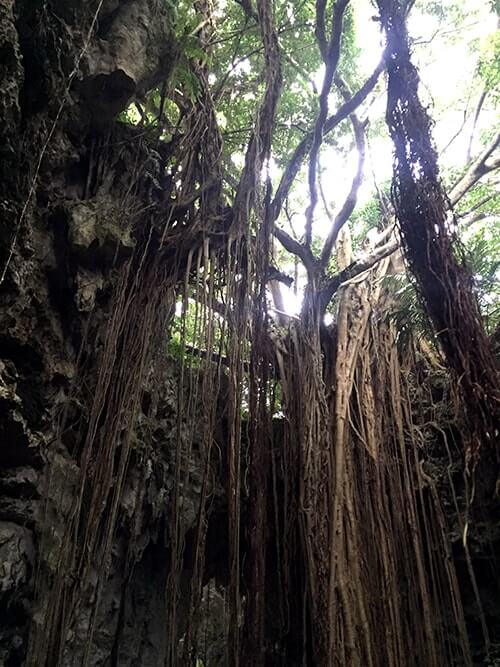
(378, 579)
(346, 558)
(337, 552)
(142, 302)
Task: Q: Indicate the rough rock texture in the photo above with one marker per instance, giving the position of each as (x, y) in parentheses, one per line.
(70, 207)
(131, 56)
(16, 570)
(130, 628)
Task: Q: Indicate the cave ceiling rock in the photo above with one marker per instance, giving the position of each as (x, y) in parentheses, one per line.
(135, 52)
(88, 284)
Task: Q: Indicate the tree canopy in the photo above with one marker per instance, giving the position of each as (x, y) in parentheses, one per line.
(350, 171)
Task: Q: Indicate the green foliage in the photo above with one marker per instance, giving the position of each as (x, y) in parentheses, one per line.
(406, 309)
(366, 217)
(185, 329)
(482, 246)
(237, 76)
(235, 62)
(483, 198)
(489, 65)
(348, 65)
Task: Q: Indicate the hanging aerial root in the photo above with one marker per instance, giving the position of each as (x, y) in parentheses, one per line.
(141, 304)
(371, 534)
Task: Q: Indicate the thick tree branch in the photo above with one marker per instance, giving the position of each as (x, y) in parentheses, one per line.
(296, 248)
(474, 217)
(479, 106)
(304, 146)
(319, 29)
(421, 208)
(275, 274)
(478, 204)
(348, 207)
(249, 10)
(355, 269)
(484, 164)
(333, 56)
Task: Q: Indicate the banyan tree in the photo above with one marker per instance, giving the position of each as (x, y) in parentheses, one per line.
(249, 387)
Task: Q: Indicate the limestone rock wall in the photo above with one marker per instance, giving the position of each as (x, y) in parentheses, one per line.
(69, 209)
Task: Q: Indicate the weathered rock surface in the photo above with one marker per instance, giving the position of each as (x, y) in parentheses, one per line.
(68, 222)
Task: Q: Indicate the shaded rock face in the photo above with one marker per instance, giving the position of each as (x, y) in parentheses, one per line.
(130, 58)
(68, 216)
(16, 571)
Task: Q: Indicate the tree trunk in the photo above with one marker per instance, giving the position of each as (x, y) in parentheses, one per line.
(433, 252)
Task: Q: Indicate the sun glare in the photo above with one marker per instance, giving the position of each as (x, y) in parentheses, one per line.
(291, 301)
